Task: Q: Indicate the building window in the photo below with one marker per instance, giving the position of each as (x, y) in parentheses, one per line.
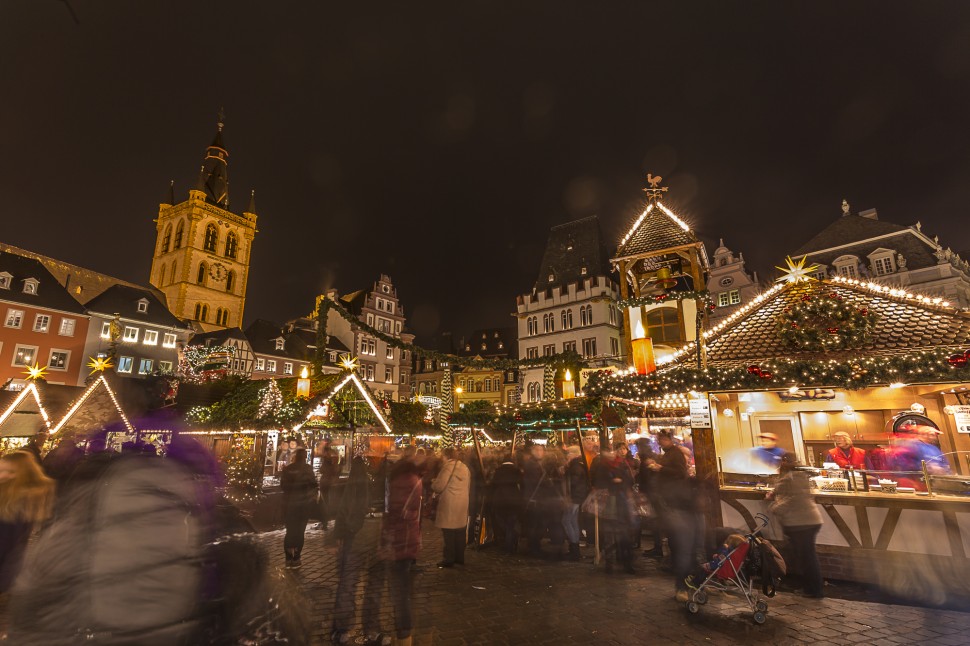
(397, 327)
(723, 299)
(168, 341)
(15, 318)
(260, 363)
(201, 312)
(24, 355)
(368, 346)
(488, 385)
(663, 325)
(589, 348)
(614, 347)
(211, 235)
(613, 313)
(145, 366)
(42, 323)
(533, 325)
(369, 373)
(390, 352)
(30, 285)
(165, 366)
(270, 365)
(230, 281)
(567, 319)
(203, 272)
(549, 323)
(143, 306)
(390, 307)
(166, 239)
(532, 353)
(735, 297)
(59, 360)
(179, 233)
(131, 334)
(280, 343)
(549, 350)
(125, 363)
(150, 337)
(5, 279)
(232, 245)
(222, 317)
(534, 391)
(569, 346)
(287, 368)
(388, 376)
(883, 265)
(67, 327)
(106, 330)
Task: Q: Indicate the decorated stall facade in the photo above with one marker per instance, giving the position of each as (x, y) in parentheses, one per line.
(808, 361)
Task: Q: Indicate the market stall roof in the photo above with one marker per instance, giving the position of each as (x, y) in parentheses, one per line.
(348, 380)
(657, 229)
(905, 323)
(22, 413)
(94, 409)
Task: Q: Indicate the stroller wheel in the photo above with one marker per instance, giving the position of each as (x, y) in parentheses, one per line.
(759, 617)
(693, 608)
(761, 606)
(700, 597)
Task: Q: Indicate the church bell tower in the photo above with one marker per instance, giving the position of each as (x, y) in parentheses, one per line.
(202, 250)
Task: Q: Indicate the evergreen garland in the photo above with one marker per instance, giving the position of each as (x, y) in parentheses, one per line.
(822, 323)
(654, 299)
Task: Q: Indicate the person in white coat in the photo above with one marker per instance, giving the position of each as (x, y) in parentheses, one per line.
(452, 485)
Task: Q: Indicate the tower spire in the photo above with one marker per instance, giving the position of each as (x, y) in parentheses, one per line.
(252, 202)
(214, 175)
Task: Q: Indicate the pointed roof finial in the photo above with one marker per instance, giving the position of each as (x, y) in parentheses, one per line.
(654, 191)
(171, 192)
(845, 207)
(221, 119)
(252, 202)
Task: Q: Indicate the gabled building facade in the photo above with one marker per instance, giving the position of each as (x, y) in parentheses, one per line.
(494, 385)
(42, 325)
(863, 247)
(572, 306)
(277, 351)
(243, 359)
(202, 250)
(731, 286)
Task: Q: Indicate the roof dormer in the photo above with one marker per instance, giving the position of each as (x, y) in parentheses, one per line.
(6, 278)
(31, 285)
(280, 342)
(142, 305)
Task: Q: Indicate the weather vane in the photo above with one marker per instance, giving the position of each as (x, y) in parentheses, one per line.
(655, 191)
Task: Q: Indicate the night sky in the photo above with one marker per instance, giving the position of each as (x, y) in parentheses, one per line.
(438, 142)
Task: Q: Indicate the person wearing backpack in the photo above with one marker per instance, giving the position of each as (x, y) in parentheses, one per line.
(299, 486)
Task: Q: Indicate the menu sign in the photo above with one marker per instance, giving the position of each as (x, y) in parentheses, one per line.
(961, 418)
(700, 413)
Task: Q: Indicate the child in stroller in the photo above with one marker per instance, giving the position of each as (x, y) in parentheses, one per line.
(732, 570)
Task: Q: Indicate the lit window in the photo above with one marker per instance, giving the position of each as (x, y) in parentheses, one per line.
(67, 327)
(131, 334)
(369, 373)
(165, 366)
(15, 318)
(5, 280)
(30, 285)
(168, 341)
(735, 297)
(260, 363)
(42, 323)
(883, 265)
(370, 319)
(106, 330)
(270, 365)
(390, 352)
(501, 346)
(388, 376)
(150, 338)
(287, 368)
(333, 357)
(145, 366)
(280, 343)
(124, 364)
(723, 299)
(614, 347)
(143, 306)
(24, 355)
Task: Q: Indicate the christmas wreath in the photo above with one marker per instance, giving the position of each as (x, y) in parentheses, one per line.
(826, 322)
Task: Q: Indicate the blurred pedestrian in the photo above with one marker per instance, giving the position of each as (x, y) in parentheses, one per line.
(26, 498)
(36, 445)
(452, 486)
(351, 508)
(793, 506)
(60, 461)
(576, 482)
(505, 500)
(299, 496)
(329, 475)
(617, 517)
(399, 547)
(533, 477)
(679, 509)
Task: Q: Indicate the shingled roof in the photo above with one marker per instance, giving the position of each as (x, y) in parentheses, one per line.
(657, 230)
(904, 326)
(574, 251)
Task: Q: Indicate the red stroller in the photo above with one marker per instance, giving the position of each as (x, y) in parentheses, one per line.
(735, 574)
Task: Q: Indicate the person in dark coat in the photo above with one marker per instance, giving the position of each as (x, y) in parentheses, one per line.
(26, 497)
(299, 486)
(505, 499)
(617, 518)
(329, 474)
(533, 477)
(576, 482)
(679, 509)
(400, 545)
(793, 506)
(351, 508)
(60, 462)
(647, 479)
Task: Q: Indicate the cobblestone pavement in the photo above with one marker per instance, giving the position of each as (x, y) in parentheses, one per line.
(500, 599)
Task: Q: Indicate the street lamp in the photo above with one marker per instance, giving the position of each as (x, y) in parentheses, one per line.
(458, 391)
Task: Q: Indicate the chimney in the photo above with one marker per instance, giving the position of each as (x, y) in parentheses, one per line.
(869, 213)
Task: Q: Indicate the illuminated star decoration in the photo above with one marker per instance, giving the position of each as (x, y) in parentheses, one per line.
(797, 272)
(36, 372)
(349, 363)
(99, 364)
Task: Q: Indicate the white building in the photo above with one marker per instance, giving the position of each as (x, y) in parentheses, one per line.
(730, 285)
(572, 306)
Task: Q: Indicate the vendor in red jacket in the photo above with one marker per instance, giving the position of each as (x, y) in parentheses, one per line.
(844, 454)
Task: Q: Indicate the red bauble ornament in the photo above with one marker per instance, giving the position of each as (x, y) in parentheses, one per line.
(832, 330)
(806, 298)
(754, 370)
(958, 360)
(864, 311)
(589, 417)
(766, 374)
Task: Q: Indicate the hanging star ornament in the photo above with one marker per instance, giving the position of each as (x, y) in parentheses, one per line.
(99, 364)
(797, 272)
(349, 363)
(36, 372)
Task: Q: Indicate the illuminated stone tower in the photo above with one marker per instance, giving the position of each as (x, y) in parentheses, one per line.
(202, 253)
